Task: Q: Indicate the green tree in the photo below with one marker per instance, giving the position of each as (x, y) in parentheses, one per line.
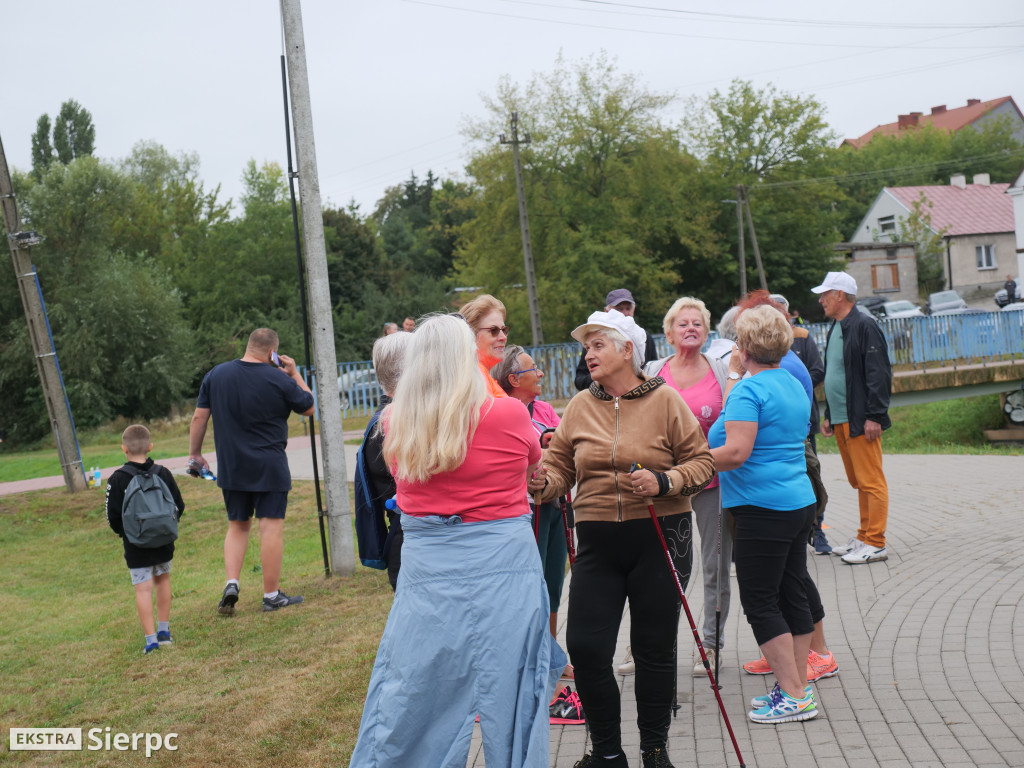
(73, 132)
(931, 248)
(780, 147)
(612, 199)
(42, 149)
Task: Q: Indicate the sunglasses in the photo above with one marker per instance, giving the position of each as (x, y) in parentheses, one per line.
(494, 330)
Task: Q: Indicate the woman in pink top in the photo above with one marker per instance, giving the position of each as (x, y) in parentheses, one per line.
(521, 378)
(467, 633)
(700, 379)
(486, 318)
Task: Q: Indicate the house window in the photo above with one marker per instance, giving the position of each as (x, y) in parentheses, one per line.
(986, 256)
(885, 277)
(887, 224)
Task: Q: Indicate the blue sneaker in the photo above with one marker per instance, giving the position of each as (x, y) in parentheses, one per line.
(760, 701)
(783, 708)
(820, 543)
(150, 647)
(164, 638)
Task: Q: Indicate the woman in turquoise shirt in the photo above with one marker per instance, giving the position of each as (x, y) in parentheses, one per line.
(758, 446)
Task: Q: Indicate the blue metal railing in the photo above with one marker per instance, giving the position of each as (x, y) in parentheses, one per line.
(920, 342)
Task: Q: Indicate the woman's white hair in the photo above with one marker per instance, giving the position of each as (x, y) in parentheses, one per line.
(620, 342)
(437, 401)
(388, 354)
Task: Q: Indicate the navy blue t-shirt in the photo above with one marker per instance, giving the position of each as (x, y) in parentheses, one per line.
(250, 404)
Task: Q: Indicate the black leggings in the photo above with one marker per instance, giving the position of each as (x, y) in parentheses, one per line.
(618, 562)
(771, 570)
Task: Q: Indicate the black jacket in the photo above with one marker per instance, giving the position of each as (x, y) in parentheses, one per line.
(139, 557)
(583, 380)
(868, 372)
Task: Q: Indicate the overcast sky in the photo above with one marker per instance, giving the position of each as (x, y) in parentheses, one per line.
(392, 80)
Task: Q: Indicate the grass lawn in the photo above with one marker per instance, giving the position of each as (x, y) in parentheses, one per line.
(276, 689)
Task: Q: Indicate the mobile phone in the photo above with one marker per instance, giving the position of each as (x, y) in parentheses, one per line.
(276, 360)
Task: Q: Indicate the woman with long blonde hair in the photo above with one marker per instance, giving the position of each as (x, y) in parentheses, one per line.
(467, 634)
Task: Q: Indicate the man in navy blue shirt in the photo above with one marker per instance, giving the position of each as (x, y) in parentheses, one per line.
(250, 400)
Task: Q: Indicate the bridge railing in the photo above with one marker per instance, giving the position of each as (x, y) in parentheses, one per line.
(920, 342)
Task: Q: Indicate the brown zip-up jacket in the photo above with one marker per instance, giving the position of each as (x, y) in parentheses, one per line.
(601, 436)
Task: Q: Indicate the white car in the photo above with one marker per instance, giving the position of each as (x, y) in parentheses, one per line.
(1015, 307)
(901, 308)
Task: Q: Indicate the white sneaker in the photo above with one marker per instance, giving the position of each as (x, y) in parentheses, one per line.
(698, 668)
(865, 554)
(628, 666)
(848, 547)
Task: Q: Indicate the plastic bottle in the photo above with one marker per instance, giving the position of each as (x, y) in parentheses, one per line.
(98, 480)
(89, 477)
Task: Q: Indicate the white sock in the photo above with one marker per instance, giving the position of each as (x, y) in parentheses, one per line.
(270, 595)
(232, 581)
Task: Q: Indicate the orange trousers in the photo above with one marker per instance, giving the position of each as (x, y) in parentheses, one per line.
(863, 463)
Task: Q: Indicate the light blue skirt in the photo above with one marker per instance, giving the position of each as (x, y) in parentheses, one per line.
(467, 634)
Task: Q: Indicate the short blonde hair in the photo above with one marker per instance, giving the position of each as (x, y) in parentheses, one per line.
(475, 310)
(388, 354)
(136, 440)
(764, 334)
(686, 302)
(437, 401)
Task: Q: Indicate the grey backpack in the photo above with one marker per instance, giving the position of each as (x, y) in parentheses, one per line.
(149, 517)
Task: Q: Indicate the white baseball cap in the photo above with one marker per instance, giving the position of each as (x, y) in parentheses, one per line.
(837, 281)
(615, 320)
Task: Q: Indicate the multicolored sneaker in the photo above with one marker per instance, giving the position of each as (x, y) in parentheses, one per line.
(760, 701)
(567, 711)
(819, 666)
(849, 546)
(866, 553)
(164, 638)
(782, 708)
(759, 667)
(150, 647)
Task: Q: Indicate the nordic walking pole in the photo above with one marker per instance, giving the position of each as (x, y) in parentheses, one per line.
(718, 593)
(693, 626)
(536, 517)
(569, 545)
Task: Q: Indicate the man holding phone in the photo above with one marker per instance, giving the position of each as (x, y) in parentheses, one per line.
(250, 400)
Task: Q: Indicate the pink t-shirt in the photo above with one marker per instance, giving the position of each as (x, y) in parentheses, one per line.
(704, 400)
(491, 483)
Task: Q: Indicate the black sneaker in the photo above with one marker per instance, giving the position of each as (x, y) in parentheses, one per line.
(280, 601)
(655, 758)
(228, 600)
(593, 761)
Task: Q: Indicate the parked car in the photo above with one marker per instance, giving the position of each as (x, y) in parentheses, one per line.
(960, 311)
(901, 308)
(357, 388)
(1001, 299)
(937, 302)
(872, 304)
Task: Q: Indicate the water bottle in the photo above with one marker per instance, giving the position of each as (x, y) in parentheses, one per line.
(96, 478)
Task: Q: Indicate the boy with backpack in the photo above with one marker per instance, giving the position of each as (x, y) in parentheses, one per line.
(143, 507)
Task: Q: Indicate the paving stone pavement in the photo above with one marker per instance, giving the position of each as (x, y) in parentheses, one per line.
(930, 643)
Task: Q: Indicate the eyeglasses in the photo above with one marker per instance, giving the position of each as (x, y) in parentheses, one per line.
(528, 370)
(494, 330)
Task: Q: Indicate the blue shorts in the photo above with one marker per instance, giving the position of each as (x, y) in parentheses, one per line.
(242, 505)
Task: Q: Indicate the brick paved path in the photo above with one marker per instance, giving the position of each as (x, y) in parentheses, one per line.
(930, 643)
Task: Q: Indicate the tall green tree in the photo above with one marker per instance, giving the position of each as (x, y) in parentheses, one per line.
(42, 147)
(612, 199)
(74, 135)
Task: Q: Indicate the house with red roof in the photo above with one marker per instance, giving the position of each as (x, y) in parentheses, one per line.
(975, 221)
(974, 115)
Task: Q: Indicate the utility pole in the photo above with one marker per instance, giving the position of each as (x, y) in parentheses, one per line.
(741, 192)
(524, 225)
(339, 511)
(38, 330)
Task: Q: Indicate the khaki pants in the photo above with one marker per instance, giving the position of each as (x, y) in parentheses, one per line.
(863, 463)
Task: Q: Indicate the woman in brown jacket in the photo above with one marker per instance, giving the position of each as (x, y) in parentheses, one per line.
(624, 418)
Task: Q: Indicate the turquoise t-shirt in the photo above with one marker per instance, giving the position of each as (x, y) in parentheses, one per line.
(835, 377)
(775, 474)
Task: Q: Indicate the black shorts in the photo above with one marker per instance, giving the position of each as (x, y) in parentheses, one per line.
(242, 505)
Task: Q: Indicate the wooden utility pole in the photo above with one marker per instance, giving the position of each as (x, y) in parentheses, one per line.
(741, 192)
(524, 225)
(325, 362)
(42, 345)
